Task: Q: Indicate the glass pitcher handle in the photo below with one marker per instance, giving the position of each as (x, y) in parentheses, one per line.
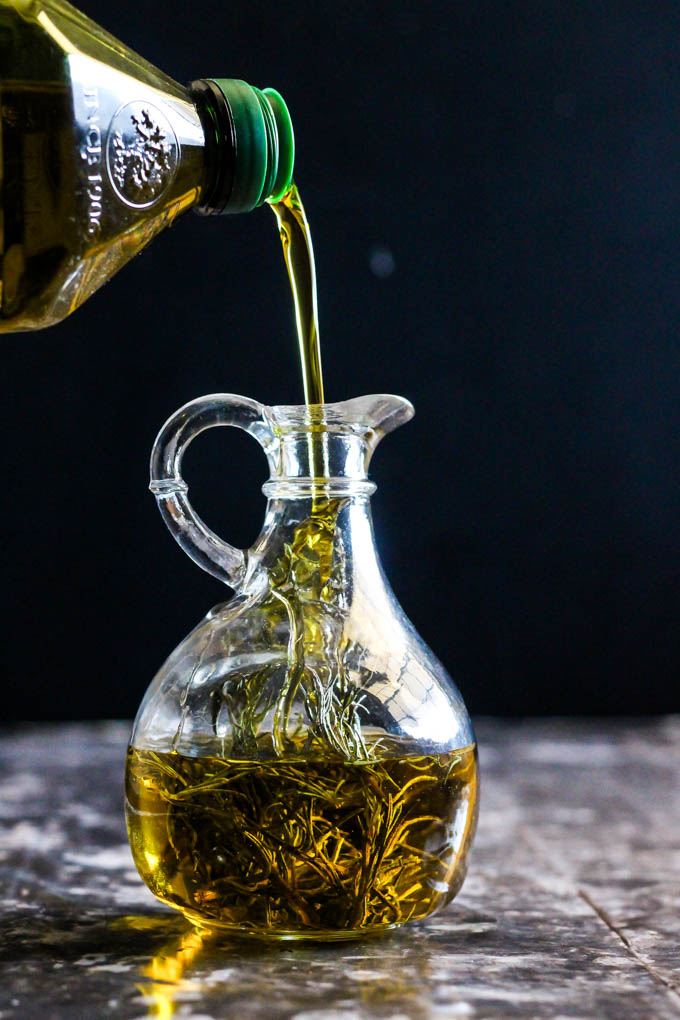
(210, 552)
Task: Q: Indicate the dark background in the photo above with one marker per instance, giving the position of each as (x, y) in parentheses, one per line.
(494, 193)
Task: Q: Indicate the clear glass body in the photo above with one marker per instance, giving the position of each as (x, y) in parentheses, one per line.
(302, 766)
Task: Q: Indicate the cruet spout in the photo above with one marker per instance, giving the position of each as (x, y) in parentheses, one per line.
(372, 416)
(383, 412)
(331, 442)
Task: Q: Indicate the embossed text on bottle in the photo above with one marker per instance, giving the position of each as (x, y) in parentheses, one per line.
(91, 152)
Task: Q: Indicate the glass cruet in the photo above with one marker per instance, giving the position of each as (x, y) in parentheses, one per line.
(302, 766)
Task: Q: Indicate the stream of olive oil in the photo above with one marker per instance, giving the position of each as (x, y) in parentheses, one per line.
(296, 240)
(318, 847)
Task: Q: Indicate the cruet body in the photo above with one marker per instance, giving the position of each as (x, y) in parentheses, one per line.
(302, 766)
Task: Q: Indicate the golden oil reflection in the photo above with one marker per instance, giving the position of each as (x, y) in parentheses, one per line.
(181, 966)
(165, 971)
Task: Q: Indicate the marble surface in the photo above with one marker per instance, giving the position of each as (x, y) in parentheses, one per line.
(571, 907)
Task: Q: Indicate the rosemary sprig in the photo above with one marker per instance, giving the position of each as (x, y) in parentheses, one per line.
(320, 845)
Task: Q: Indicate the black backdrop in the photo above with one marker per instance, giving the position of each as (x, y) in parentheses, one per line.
(495, 200)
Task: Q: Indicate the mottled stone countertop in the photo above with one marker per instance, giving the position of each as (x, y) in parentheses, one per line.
(571, 907)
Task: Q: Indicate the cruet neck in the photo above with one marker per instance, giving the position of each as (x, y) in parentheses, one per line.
(327, 448)
(318, 451)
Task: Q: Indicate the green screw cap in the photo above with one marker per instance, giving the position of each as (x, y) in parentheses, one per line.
(284, 175)
(264, 144)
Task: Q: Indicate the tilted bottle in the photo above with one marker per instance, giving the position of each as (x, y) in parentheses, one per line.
(99, 151)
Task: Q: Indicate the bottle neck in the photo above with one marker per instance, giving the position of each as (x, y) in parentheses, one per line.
(309, 539)
(312, 490)
(220, 145)
(249, 145)
(318, 480)
(327, 462)
(318, 517)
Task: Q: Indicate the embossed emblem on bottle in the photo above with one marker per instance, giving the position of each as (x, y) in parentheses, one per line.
(142, 153)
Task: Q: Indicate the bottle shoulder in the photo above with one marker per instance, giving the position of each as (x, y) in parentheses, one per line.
(255, 660)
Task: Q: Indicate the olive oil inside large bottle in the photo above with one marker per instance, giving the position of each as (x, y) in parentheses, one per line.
(63, 229)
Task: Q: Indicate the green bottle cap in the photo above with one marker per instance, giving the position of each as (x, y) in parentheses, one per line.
(264, 144)
(284, 174)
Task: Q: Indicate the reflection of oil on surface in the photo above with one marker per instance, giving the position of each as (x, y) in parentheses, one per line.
(166, 970)
(236, 978)
(158, 965)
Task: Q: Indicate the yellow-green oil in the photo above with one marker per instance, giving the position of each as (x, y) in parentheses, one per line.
(305, 847)
(296, 240)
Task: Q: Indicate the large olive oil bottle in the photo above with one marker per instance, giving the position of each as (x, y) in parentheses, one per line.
(99, 151)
